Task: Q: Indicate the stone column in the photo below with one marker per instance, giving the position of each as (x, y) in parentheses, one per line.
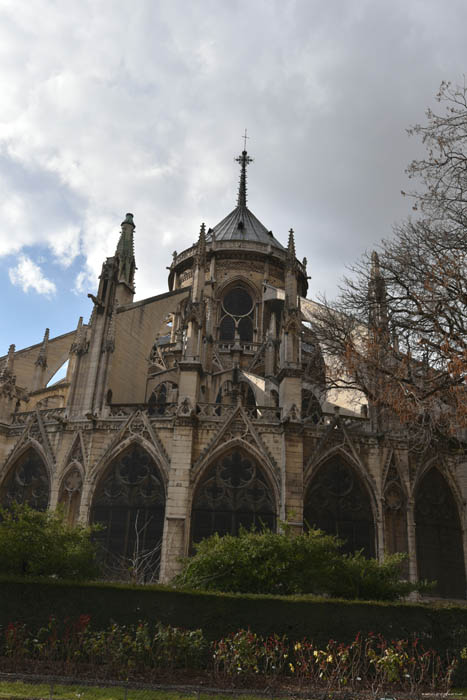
(177, 516)
(411, 540)
(292, 475)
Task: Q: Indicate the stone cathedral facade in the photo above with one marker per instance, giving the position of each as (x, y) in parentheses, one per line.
(203, 409)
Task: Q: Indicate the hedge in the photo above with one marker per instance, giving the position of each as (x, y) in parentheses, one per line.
(442, 627)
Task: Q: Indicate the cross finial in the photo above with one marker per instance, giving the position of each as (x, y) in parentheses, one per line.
(245, 137)
(244, 160)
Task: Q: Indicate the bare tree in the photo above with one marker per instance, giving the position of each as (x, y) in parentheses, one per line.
(140, 566)
(397, 332)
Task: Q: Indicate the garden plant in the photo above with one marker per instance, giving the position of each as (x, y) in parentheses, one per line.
(145, 652)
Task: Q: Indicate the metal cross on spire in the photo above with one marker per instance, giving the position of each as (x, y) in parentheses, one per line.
(244, 160)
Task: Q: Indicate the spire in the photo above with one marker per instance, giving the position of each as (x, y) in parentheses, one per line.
(199, 266)
(10, 358)
(378, 316)
(201, 252)
(377, 286)
(42, 356)
(291, 244)
(6, 368)
(291, 257)
(244, 160)
(126, 252)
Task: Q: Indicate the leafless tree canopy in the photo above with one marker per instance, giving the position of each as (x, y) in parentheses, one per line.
(398, 329)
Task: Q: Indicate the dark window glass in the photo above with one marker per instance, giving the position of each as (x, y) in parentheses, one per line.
(130, 503)
(440, 554)
(338, 503)
(233, 493)
(245, 329)
(227, 328)
(238, 302)
(27, 482)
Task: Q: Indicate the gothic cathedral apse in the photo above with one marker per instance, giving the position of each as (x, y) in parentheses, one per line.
(204, 409)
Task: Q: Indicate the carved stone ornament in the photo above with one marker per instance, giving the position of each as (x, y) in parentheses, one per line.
(185, 408)
(293, 414)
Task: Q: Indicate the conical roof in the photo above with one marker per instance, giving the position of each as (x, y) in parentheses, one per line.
(241, 224)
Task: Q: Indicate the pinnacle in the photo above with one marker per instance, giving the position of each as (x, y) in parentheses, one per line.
(291, 243)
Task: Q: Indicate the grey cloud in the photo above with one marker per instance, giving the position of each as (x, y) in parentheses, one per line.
(141, 109)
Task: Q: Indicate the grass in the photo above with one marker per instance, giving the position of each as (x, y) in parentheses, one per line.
(41, 691)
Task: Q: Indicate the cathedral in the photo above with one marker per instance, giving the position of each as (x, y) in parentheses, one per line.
(204, 409)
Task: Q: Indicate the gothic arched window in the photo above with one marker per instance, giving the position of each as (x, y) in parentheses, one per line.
(338, 503)
(311, 408)
(27, 482)
(130, 502)
(440, 554)
(233, 493)
(162, 395)
(237, 315)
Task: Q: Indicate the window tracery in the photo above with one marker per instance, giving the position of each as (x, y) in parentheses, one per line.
(130, 502)
(162, 395)
(27, 482)
(338, 503)
(234, 493)
(237, 311)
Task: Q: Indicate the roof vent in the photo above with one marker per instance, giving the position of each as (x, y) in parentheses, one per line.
(241, 225)
(270, 233)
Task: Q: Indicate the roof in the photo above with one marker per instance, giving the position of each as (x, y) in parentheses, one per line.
(242, 225)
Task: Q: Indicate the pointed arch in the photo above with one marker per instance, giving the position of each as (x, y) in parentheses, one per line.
(138, 430)
(246, 442)
(438, 532)
(338, 501)
(27, 479)
(129, 502)
(234, 491)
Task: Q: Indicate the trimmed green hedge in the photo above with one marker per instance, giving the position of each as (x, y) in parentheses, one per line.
(32, 602)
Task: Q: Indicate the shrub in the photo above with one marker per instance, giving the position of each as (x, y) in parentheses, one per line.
(37, 543)
(284, 564)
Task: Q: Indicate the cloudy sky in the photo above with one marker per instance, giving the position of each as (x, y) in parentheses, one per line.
(110, 106)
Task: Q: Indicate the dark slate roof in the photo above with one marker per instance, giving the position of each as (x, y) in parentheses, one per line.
(242, 225)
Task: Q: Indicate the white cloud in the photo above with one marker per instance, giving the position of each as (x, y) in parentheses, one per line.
(28, 275)
(110, 106)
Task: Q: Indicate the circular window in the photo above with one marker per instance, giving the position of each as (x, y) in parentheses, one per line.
(238, 302)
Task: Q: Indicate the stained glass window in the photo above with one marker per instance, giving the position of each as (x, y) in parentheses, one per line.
(129, 502)
(27, 482)
(440, 554)
(338, 503)
(233, 493)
